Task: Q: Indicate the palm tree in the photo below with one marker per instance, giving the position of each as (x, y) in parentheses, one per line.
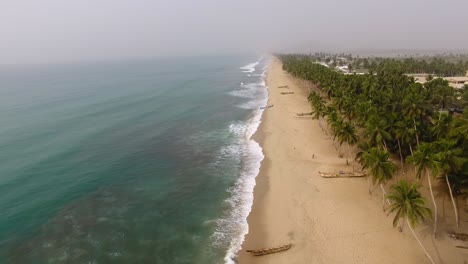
(414, 108)
(335, 122)
(426, 162)
(347, 133)
(377, 131)
(449, 157)
(379, 167)
(405, 133)
(442, 125)
(408, 204)
(318, 107)
(393, 128)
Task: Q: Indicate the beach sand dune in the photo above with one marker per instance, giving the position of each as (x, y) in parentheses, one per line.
(327, 220)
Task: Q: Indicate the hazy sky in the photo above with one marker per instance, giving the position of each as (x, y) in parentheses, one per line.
(46, 31)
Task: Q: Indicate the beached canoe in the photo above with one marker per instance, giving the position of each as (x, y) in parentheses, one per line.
(458, 236)
(342, 174)
(266, 251)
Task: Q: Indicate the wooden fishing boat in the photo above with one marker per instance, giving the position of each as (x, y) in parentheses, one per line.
(304, 114)
(287, 93)
(284, 86)
(266, 251)
(342, 174)
(458, 236)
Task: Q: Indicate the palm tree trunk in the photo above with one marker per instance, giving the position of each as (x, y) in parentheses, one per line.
(417, 239)
(434, 202)
(416, 131)
(368, 184)
(412, 153)
(401, 156)
(349, 152)
(453, 201)
(383, 197)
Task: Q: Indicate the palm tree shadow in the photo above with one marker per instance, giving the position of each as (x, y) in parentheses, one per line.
(425, 233)
(446, 214)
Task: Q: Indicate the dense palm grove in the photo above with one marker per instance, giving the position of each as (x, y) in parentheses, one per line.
(397, 124)
(439, 65)
(435, 66)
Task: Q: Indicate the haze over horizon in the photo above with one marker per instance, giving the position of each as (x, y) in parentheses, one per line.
(53, 31)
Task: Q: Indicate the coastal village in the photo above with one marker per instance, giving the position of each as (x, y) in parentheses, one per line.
(346, 64)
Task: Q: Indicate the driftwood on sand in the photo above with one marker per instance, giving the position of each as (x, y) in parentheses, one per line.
(266, 251)
(304, 114)
(284, 86)
(342, 174)
(287, 93)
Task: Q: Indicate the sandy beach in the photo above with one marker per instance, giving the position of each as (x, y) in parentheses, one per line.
(327, 220)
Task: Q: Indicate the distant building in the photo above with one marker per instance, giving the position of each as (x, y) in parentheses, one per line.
(342, 59)
(323, 64)
(344, 68)
(457, 82)
(421, 80)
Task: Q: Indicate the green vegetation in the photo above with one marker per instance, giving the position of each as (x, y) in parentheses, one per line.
(436, 66)
(388, 115)
(443, 65)
(408, 204)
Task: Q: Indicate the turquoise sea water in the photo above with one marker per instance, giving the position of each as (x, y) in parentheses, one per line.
(128, 162)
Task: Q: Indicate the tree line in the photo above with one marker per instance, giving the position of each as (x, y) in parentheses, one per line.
(398, 125)
(434, 66)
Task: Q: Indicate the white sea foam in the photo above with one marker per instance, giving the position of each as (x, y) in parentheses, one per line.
(242, 199)
(249, 68)
(244, 93)
(250, 105)
(234, 227)
(253, 91)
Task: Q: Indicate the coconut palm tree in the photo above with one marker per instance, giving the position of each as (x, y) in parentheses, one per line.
(377, 131)
(405, 133)
(441, 125)
(449, 157)
(347, 133)
(426, 163)
(318, 107)
(379, 167)
(408, 204)
(393, 128)
(414, 108)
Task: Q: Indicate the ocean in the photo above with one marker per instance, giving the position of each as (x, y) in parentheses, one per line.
(147, 161)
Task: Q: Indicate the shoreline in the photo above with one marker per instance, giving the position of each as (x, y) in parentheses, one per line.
(327, 220)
